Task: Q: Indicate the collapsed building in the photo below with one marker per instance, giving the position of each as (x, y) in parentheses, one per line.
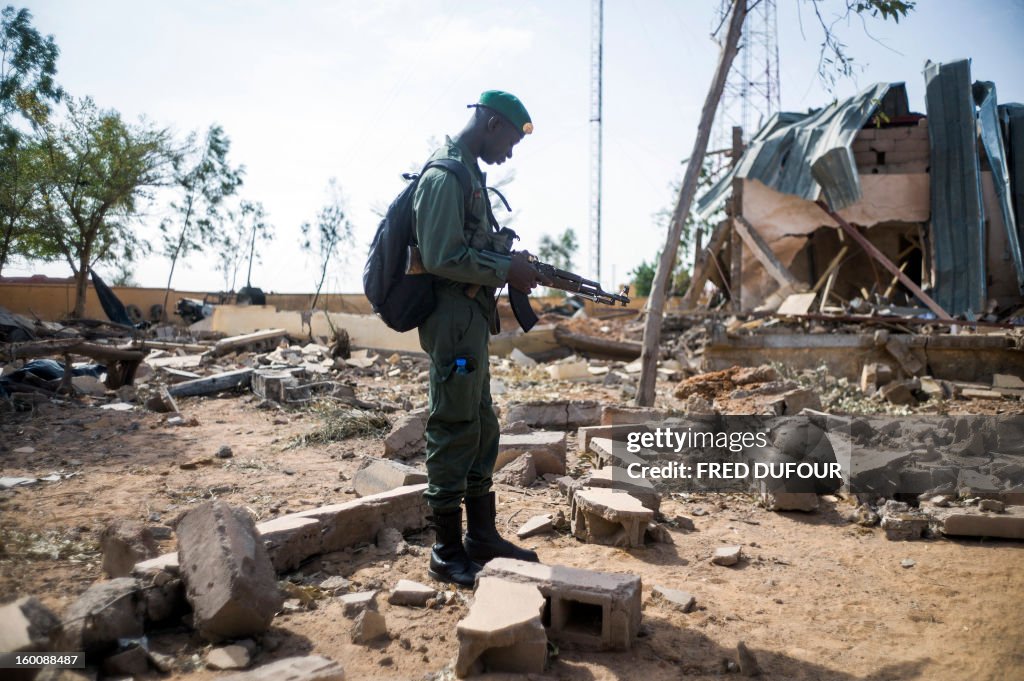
(866, 210)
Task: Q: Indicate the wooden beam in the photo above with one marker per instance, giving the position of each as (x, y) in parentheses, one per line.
(627, 350)
(871, 250)
(702, 269)
(212, 384)
(226, 345)
(764, 255)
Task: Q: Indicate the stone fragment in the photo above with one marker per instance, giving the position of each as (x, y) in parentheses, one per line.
(610, 452)
(546, 448)
(746, 660)
(229, 579)
(368, 626)
(899, 393)
(684, 523)
(224, 452)
(538, 524)
(503, 630)
(407, 437)
(125, 543)
(289, 540)
(585, 434)
(559, 415)
(605, 516)
(310, 668)
(908, 563)
(615, 415)
(131, 662)
(588, 608)
(618, 478)
(781, 500)
(408, 592)
(164, 598)
(657, 534)
(568, 371)
(522, 359)
(683, 601)
(381, 475)
(228, 657)
(991, 505)
(27, 625)
(793, 401)
(106, 612)
(873, 376)
(358, 521)
(1007, 381)
(727, 555)
(355, 603)
(904, 526)
(167, 562)
(521, 472)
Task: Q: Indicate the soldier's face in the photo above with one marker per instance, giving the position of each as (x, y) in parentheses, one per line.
(499, 143)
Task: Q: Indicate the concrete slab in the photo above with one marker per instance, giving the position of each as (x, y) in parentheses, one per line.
(503, 630)
(546, 448)
(290, 540)
(382, 475)
(359, 521)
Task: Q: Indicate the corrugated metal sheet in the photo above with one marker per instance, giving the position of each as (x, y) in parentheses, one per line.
(809, 154)
(1011, 116)
(958, 224)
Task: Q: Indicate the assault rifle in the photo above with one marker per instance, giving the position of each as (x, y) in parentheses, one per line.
(564, 281)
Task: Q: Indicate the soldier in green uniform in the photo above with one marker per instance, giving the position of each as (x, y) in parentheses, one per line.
(462, 246)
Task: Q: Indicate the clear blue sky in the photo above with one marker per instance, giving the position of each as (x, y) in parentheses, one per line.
(354, 90)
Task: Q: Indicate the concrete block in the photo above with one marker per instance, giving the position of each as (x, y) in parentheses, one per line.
(106, 612)
(228, 657)
(559, 415)
(615, 477)
(546, 448)
(520, 472)
(353, 604)
(971, 522)
(167, 562)
(604, 516)
(381, 475)
(503, 630)
(358, 521)
(290, 540)
(617, 416)
(408, 592)
(278, 385)
(727, 555)
(588, 608)
(781, 500)
(682, 601)
(125, 543)
(407, 437)
(310, 668)
(568, 371)
(26, 625)
(228, 576)
(608, 452)
(585, 434)
(904, 526)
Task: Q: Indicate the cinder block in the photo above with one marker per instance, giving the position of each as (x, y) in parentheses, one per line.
(584, 607)
(382, 475)
(310, 668)
(228, 576)
(503, 630)
(617, 478)
(290, 540)
(605, 516)
(359, 521)
(608, 452)
(546, 447)
(585, 434)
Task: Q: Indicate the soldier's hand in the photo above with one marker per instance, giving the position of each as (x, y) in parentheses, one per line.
(521, 275)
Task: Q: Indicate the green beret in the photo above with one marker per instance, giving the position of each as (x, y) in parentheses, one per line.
(509, 106)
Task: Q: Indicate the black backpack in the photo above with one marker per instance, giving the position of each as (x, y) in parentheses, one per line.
(403, 300)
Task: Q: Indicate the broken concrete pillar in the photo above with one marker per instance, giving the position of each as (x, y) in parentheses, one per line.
(106, 612)
(503, 630)
(521, 472)
(228, 576)
(311, 668)
(359, 521)
(559, 415)
(407, 437)
(381, 475)
(546, 448)
(617, 478)
(588, 608)
(605, 516)
(290, 540)
(124, 543)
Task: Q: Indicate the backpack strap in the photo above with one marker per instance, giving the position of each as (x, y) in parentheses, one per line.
(460, 171)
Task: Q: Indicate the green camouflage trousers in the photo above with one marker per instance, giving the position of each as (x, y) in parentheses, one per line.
(462, 430)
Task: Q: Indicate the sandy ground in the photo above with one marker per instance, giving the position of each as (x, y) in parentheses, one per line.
(814, 598)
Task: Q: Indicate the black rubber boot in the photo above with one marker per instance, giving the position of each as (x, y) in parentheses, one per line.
(482, 539)
(448, 559)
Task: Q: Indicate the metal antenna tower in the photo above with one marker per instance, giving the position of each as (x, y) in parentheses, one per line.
(596, 58)
(751, 92)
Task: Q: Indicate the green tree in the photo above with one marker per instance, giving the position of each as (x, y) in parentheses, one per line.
(20, 175)
(248, 227)
(205, 179)
(96, 171)
(28, 63)
(642, 278)
(560, 250)
(332, 231)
